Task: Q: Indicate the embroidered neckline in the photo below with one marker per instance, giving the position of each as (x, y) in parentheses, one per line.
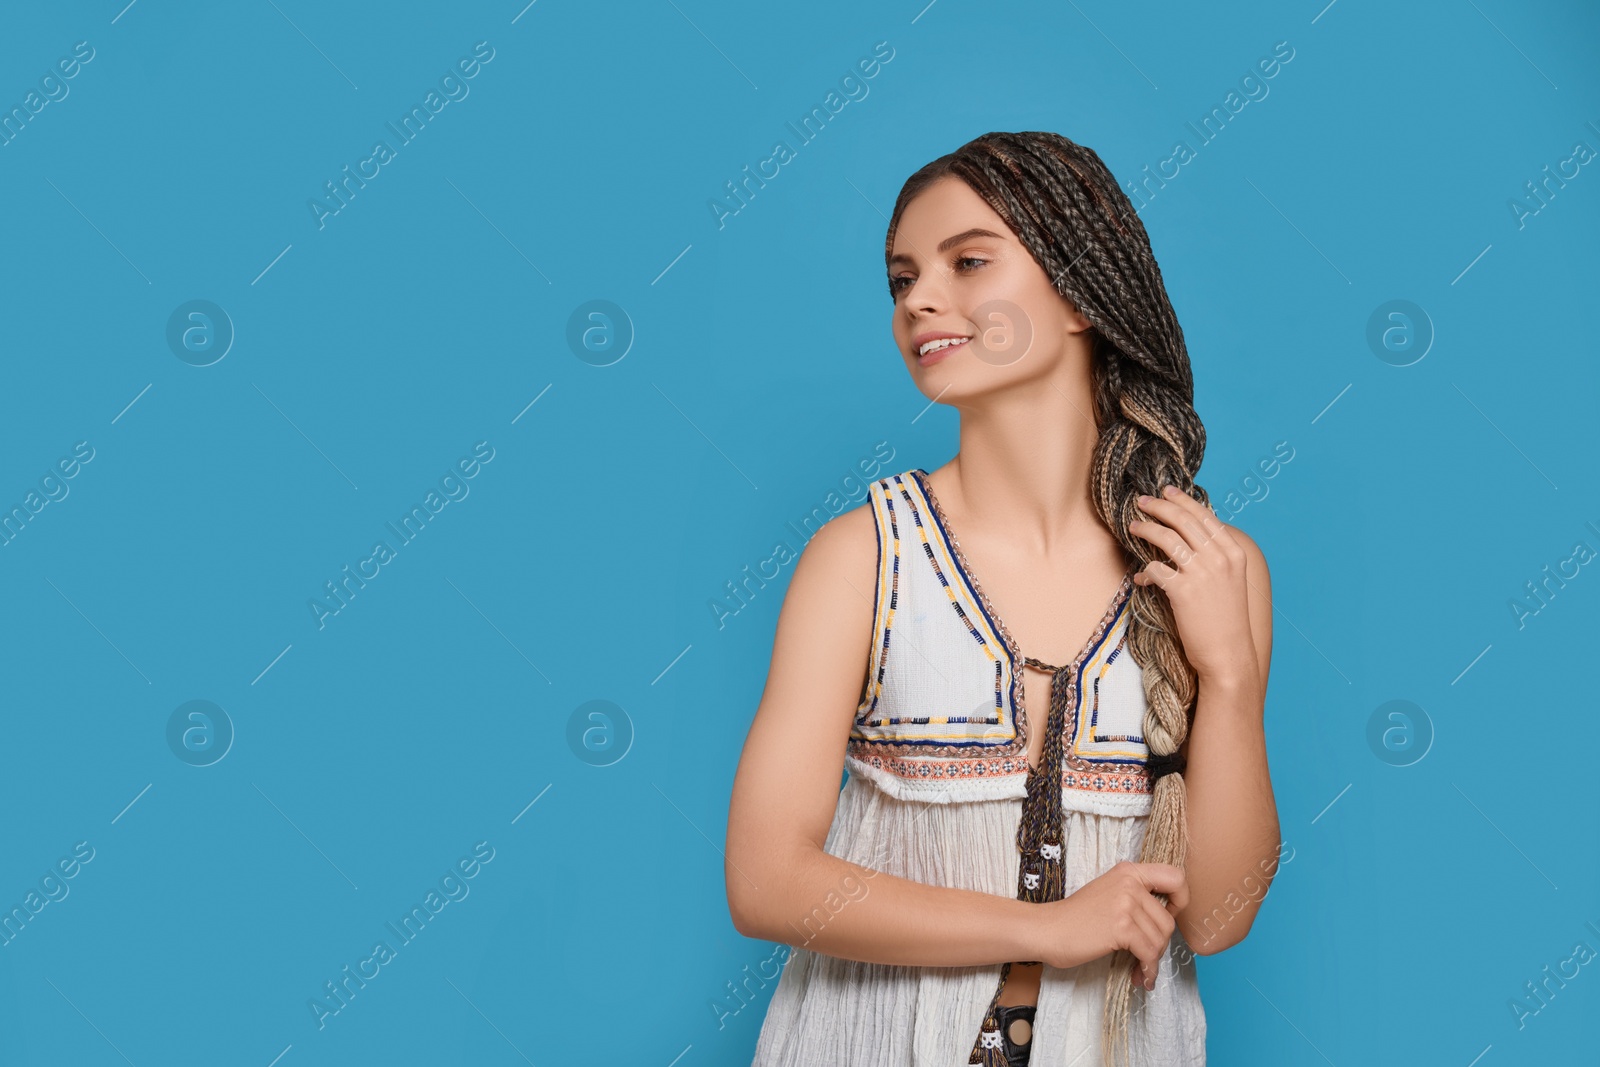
(1024, 721)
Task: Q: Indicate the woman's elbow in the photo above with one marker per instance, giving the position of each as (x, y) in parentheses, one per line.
(1215, 945)
(744, 900)
(1211, 937)
(741, 915)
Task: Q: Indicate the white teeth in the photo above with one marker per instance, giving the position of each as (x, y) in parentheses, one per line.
(943, 342)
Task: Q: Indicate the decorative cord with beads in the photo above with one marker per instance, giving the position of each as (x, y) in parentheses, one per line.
(1040, 874)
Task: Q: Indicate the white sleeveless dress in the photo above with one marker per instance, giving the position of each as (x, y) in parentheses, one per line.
(937, 776)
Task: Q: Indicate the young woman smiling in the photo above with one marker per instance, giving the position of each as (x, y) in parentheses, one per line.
(1057, 775)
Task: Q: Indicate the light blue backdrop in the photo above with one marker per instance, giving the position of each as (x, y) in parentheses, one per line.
(189, 486)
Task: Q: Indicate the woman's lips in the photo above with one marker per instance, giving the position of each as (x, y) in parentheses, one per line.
(939, 353)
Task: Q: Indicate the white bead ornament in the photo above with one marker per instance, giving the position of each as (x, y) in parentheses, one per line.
(1050, 852)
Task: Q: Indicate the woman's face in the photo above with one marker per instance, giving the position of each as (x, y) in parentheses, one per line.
(958, 271)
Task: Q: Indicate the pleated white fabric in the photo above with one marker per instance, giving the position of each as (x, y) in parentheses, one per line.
(938, 767)
(830, 1012)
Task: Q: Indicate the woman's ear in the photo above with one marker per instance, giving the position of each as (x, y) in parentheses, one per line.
(1076, 323)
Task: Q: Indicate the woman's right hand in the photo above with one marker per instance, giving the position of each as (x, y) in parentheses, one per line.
(1119, 909)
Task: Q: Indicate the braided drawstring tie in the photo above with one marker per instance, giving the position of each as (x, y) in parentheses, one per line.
(1041, 874)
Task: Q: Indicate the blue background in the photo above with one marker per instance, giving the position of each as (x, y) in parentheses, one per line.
(434, 710)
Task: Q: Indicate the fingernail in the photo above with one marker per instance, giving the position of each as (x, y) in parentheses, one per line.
(1144, 499)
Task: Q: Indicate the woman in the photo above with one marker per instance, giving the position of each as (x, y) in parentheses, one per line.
(1020, 839)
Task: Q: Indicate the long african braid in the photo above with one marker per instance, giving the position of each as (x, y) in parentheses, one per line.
(1068, 211)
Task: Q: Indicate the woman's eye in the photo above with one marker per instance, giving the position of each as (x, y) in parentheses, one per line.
(899, 285)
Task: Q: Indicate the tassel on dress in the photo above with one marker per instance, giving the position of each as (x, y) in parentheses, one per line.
(990, 1050)
(1041, 874)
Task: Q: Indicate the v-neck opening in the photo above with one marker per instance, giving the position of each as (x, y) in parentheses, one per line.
(1012, 649)
(1024, 723)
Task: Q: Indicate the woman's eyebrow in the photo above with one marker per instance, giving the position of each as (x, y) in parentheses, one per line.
(949, 242)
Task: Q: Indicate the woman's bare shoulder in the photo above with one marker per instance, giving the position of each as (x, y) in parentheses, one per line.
(831, 596)
(787, 785)
(846, 546)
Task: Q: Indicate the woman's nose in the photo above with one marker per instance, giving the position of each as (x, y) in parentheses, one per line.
(927, 294)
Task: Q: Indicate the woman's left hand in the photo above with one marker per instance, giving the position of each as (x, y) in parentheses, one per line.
(1206, 587)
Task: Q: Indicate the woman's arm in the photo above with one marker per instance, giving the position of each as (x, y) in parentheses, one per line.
(1233, 819)
(822, 903)
(1221, 594)
(781, 885)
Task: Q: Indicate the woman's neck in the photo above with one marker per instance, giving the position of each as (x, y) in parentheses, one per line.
(1024, 462)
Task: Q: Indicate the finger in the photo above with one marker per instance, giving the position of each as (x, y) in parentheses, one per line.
(1161, 877)
(1164, 923)
(1155, 573)
(1171, 882)
(1152, 963)
(1178, 518)
(1140, 976)
(1164, 538)
(1203, 513)
(1178, 899)
(1203, 516)
(1147, 944)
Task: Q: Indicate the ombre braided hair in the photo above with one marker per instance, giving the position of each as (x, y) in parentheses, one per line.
(1069, 213)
